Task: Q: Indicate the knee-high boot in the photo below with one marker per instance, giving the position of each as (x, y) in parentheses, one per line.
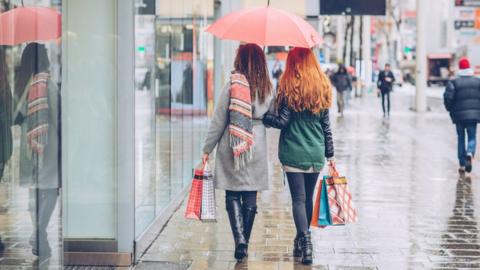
(307, 247)
(248, 219)
(235, 216)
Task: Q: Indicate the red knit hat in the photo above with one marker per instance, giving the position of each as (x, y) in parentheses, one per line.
(464, 63)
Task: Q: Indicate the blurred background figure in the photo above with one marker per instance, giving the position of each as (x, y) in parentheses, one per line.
(343, 83)
(462, 100)
(277, 72)
(385, 86)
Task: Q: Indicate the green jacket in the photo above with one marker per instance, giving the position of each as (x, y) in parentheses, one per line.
(305, 139)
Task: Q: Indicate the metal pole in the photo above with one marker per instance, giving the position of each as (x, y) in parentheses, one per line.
(421, 58)
(339, 39)
(367, 51)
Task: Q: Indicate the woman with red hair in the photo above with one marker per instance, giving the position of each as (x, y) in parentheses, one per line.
(304, 97)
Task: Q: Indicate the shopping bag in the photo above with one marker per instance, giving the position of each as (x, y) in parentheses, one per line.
(316, 206)
(340, 204)
(324, 218)
(194, 204)
(208, 195)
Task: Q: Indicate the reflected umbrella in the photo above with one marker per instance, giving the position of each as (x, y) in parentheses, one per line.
(28, 24)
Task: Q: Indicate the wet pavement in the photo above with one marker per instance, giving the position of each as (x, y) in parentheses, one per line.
(415, 212)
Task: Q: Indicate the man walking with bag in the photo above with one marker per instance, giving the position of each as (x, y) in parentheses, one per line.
(462, 100)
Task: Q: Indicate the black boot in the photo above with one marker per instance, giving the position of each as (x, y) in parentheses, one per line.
(297, 249)
(248, 219)
(236, 222)
(307, 247)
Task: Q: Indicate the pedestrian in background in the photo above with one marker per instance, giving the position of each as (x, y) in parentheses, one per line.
(277, 72)
(304, 97)
(241, 169)
(385, 86)
(343, 83)
(462, 100)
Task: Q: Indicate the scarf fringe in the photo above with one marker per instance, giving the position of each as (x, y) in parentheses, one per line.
(242, 152)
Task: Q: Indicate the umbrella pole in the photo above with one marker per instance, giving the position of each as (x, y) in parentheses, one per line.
(268, 4)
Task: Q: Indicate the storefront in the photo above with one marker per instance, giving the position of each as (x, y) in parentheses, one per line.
(130, 87)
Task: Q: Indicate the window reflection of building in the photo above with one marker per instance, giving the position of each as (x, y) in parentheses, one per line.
(182, 62)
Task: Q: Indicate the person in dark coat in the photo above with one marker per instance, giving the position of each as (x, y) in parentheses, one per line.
(6, 140)
(343, 83)
(304, 98)
(385, 86)
(462, 100)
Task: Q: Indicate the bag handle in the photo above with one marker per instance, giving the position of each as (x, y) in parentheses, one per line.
(332, 170)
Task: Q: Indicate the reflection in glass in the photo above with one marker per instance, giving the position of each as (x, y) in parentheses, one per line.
(177, 80)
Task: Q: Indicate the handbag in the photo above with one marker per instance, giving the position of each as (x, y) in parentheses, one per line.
(194, 204)
(208, 207)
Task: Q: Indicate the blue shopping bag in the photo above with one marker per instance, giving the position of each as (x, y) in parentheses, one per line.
(324, 218)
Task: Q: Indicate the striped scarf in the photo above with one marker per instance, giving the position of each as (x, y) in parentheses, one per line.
(240, 127)
(37, 117)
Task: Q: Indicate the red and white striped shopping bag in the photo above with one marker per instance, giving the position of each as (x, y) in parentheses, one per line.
(340, 201)
(194, 204)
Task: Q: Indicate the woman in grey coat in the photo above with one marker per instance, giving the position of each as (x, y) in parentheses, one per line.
(242, 184)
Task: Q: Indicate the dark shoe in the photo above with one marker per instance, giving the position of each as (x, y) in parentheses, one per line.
(468, 165)
(248, 219)
(235, 216)
(307, 248)
(297, 249)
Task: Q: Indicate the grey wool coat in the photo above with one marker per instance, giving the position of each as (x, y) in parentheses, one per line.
(255, 175)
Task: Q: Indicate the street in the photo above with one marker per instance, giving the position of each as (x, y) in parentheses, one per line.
(414, 211)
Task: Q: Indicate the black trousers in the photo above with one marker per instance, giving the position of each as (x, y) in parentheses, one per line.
(302, 186)
(248, 199)
(386, 95)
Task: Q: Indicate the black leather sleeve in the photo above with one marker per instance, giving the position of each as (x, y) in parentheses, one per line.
(327, 133)
(278, 121)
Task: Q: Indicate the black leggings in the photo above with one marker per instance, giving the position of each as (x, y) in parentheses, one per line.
(302, 186)
(247, 198)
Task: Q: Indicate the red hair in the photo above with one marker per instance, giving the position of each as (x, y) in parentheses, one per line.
(303, 85)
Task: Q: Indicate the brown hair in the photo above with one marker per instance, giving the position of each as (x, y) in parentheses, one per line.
(250, 61)
(304, 85)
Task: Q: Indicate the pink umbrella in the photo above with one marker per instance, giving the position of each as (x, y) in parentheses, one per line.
(27, 24)
(266, 26)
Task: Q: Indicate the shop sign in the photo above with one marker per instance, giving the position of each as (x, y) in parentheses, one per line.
(477, 18)
(464, 24)
(467, 3)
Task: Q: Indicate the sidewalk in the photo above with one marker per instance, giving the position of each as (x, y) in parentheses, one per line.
(414, 212)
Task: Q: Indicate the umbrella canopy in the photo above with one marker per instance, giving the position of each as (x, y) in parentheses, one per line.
(266, 26)
(28, 24)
